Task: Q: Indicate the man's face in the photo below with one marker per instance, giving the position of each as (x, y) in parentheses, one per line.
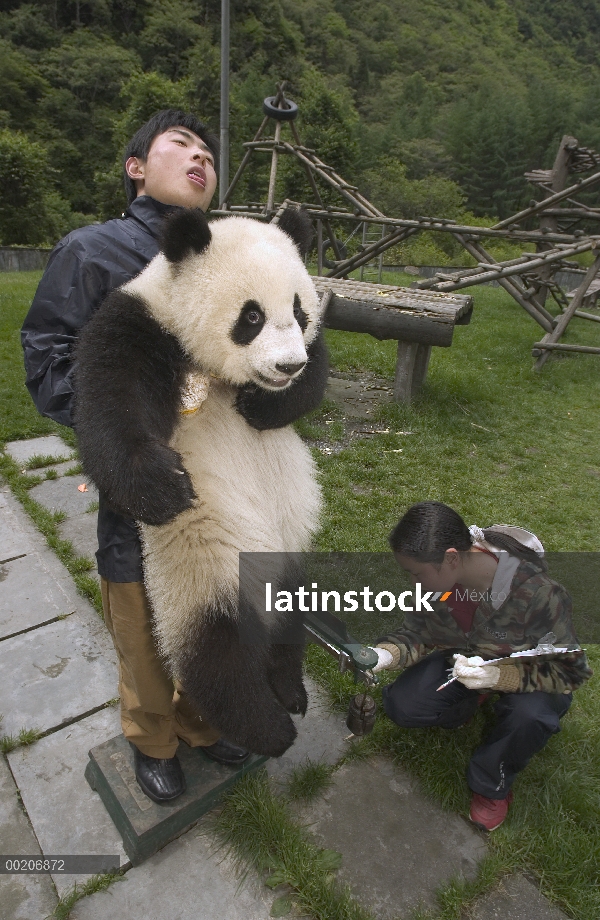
(432, 577)
(179, 170)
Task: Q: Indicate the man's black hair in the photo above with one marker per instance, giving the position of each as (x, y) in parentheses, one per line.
(428, 529)
(140, 143)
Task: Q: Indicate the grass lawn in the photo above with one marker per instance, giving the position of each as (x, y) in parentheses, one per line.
(501, 444)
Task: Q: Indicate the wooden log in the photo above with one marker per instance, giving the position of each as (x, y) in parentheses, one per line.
(390, 312)
(540, 347)
(504, 272)
(273, 174)
(544, 319)
(591, 214)
(369, 253)
(583, 315)
(542, 205)
(564, 320)
(311, 179)
(526, 236)
(549, 223)
(329, 176)
(242, 166)
(319, 248)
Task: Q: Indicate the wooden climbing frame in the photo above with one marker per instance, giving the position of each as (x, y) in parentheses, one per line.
(529, 279)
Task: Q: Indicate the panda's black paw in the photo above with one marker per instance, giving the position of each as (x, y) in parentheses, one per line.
(252, 404)
(173, 497)
(276, 739)
(295, 700)
(156, 489)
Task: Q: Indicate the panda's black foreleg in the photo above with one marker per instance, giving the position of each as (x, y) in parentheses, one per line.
(285, 676)
(228, 682)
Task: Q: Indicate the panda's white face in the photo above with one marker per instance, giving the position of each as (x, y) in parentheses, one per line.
(271, 342)
(244, 309)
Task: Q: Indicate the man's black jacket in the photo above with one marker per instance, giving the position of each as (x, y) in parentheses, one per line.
(83, 268)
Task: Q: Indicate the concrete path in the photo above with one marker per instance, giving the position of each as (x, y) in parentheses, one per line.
(377, 817)
(60, 676)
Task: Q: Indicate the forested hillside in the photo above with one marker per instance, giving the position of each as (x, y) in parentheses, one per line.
(428, 105)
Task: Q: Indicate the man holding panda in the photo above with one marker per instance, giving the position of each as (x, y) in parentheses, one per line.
(169, 163)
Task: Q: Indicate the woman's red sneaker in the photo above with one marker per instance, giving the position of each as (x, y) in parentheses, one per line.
(488, 814)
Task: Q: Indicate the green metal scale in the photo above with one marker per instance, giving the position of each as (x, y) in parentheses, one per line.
(144, 825)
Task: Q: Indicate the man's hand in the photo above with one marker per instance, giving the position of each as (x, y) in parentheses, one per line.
(384, 657)
(474, 673)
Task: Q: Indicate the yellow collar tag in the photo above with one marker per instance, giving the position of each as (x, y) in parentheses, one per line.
(194, 392)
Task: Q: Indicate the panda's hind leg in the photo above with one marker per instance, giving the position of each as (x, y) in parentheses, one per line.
(284, 672)
(228, 682)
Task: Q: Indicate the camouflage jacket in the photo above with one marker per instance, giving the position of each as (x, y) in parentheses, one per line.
(535, 606)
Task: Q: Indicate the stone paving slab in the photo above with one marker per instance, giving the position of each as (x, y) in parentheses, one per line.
(14, 540)
(516, 899)
(53, 674)
(22, 897)
(81, 530)
(29, 595)
(187, 880)
(59, 468)
(67, 816)
(398, 846)
(49, 446)
(63, 495)
(321, 735)
(12, 511)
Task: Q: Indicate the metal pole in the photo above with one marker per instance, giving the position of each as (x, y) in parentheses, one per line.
(224, 157)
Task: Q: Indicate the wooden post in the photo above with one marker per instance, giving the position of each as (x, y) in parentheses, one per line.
(477, 251)
(565, 319)
(242, 165)
(364, 243)
(319, 248)
(412, 362)
(560, 175)
(328, 228)
(273, 176)
(542, 205)
(224, 153)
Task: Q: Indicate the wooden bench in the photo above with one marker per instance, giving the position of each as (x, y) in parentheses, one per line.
(417, 319)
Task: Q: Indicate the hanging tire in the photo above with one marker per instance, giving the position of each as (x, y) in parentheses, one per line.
(270, 109)
(342, 248)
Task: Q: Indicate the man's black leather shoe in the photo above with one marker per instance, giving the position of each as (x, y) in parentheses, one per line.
(161, 779)
(225, 752)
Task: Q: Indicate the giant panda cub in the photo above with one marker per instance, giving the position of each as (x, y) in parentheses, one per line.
(187, 379)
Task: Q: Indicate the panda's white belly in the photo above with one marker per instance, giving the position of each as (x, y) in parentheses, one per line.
(257, 492)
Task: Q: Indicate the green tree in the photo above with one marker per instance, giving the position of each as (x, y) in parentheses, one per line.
(144, 94)
(21, 87)
(171, 30)
(388, 188)
(31, 211)
(488, 138)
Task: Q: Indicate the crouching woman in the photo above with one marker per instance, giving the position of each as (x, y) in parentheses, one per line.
(497, 599)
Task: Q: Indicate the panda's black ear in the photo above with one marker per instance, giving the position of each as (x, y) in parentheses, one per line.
(297, 224)
(185, 232)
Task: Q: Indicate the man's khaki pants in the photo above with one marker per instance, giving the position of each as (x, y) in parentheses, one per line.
(155, 713)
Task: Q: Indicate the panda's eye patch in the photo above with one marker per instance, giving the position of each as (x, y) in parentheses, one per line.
(249, 323)
(300, 315)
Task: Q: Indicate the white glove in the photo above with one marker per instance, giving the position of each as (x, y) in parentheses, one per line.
(474, 673)
(384, 657)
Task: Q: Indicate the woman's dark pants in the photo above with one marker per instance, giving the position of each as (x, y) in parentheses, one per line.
(525, 720)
